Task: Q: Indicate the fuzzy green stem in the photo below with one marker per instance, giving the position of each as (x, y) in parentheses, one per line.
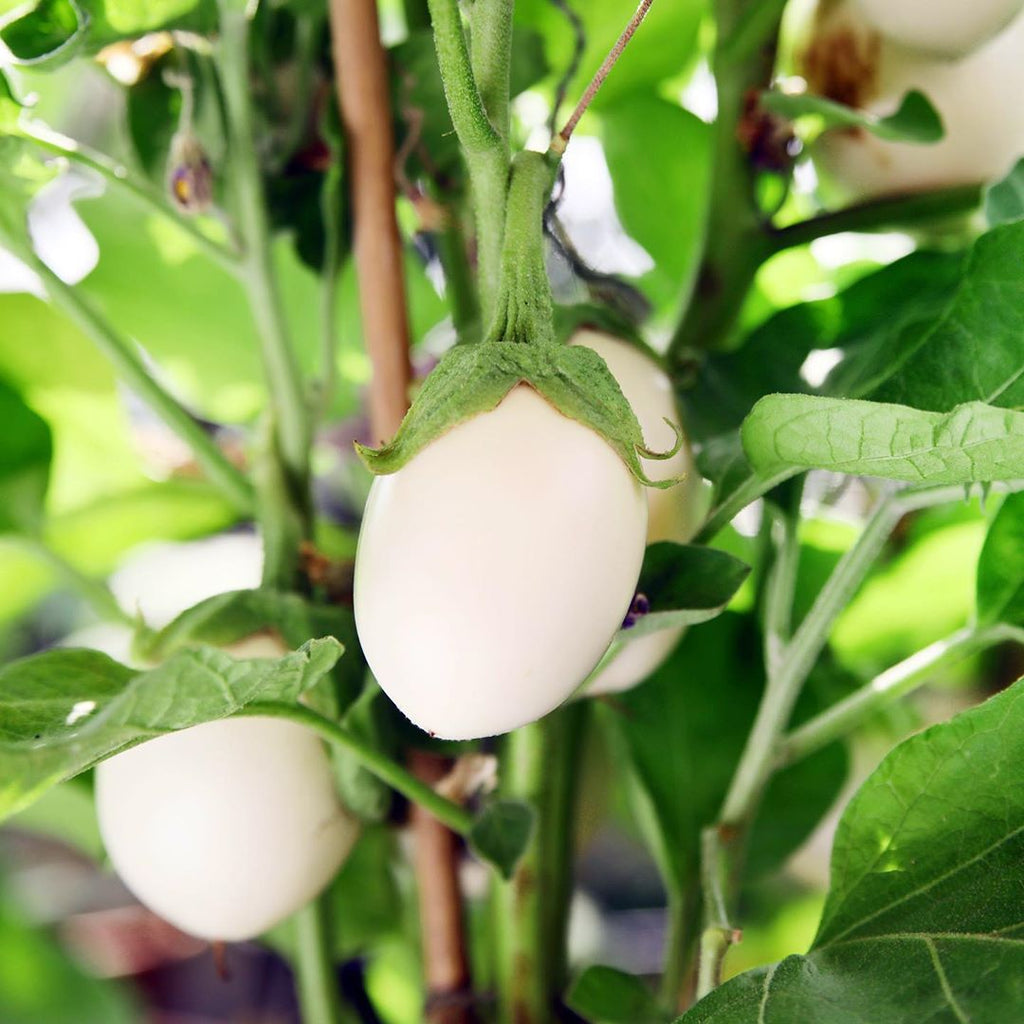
(519, 914)
(120, 177)
(884, 690)
(679, 946)
(892, 212)
(316, 981)
(538, 764)
(129, 366)
(484, 142)
(94, 592)
(491, 58)
(465, 104)
(746, 494)
(759, 759)
(490, 24)
(524, 308)
(457, 818)
(460, 289)
(288, 399)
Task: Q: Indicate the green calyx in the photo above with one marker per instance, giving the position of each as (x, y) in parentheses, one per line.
(521, 348)
(473, 379)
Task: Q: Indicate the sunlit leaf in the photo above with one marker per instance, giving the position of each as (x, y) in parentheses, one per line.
(973, 443)
(924, 919)
(63, 711)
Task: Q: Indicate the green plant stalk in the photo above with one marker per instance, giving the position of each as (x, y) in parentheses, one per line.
(316, 981)
(288, 399)
(460, 289)
(120, 177)
(566, 732)
(884, 690)
(679, 946)
(94, 592)
(129, 366)
(746, 494)
(524, 306)
(538, 765)
(457, 818)
(758, 761)
(879, 214)
(485, 145)
(735, 240)
(331, 210)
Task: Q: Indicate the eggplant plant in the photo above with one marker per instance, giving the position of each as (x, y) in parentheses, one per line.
(691, 525)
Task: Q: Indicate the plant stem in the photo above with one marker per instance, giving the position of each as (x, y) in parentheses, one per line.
(130, 367)
(316, 981)
(465, 103)
(759, 757)
(561, 140)
(284, 380)
(457, 818)
(522, 987)
(491, 58)
(331, 211)
(781, 583)
(896, 682)
(119, 176)
(679, 945)
(746, 494)
(879, 214)
(524, 306)
(93, 591)
(735, 240)
(485, 144)
(538, 765)
(460, 290)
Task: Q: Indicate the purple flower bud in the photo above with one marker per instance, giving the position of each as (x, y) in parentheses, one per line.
(189, 174)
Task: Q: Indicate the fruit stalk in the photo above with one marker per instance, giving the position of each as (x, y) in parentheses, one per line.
(539, 764)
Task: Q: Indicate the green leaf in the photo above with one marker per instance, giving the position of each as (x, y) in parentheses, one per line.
(915, 120)
(609, 996)
(121, 19)
(975, 443)
(865, 320)
(63, 711)
(973, 352)
(47, 35)
(683, 731)
(925, 918)
(24, 463)
(501, 833)
(684, 584)
(236, 614)
(1004, 200)
(661, 199)
(1001, 566)
(10, 106)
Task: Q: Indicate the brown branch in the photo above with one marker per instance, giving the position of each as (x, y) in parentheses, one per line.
(366, 115)
(363, 96)
(561, 140)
